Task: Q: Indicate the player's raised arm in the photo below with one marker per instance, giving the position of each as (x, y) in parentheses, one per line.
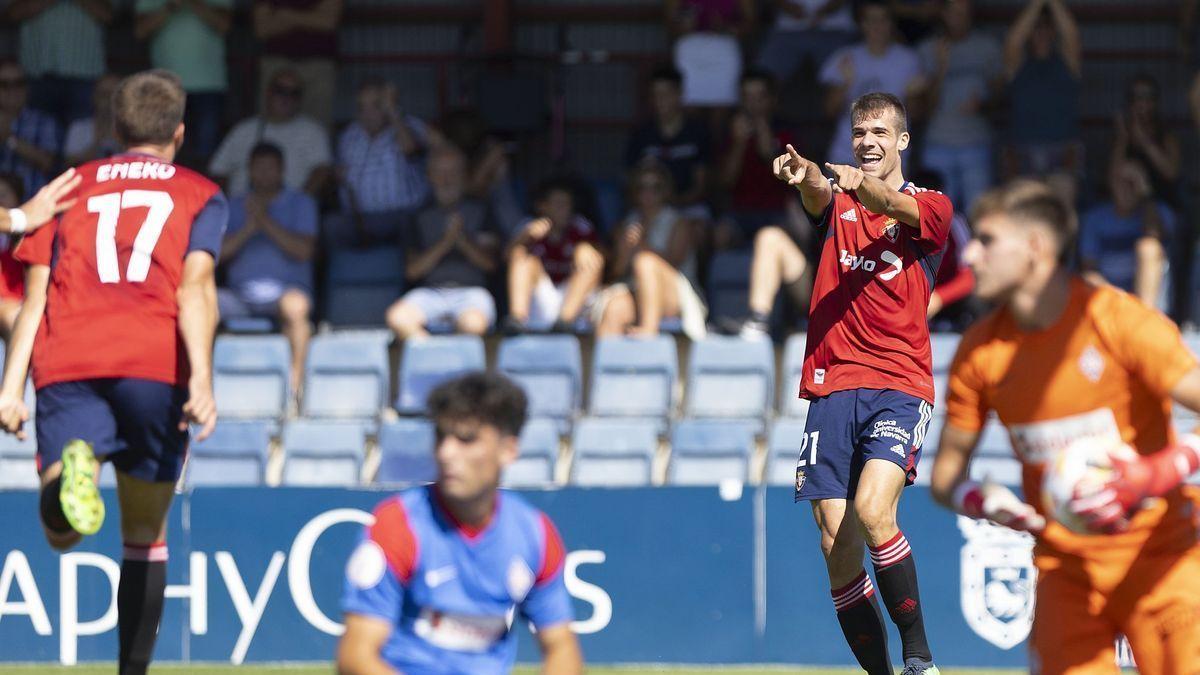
(358, 651)
(806, 177)
(560, 651)
(13, 413)
(197, 298)
(49, 201)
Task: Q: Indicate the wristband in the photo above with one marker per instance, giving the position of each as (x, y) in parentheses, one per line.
(968, 499)
(17, 221)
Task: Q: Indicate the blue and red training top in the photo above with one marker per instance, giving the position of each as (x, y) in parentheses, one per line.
(452, 592)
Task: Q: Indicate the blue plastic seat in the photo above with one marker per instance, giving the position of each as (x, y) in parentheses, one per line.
(634, 377)
(706, 452)
(539, 454)
(406, 452)
(346, 375)
(613, 452)
(235, 454)
(323, 453)
(783, 450)
(790, 403)
(251, 375)
(730, 377)
(428, 362)
(549, 369)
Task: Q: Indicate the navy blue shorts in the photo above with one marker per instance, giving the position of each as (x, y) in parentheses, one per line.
(132, 423)
(847, 428)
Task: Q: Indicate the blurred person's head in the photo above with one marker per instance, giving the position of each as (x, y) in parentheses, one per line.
(12, 190)
(102, 95)
(1022, 232)
(447, 169)
(956, 17)
(877, 24)
(148, 112)
(879, 133)
(758, 93)
(266, 168)
(373, 105)
(14, 87)
(1142, 97)
(478, 418)
(649, 187)
(666, 93)
(555, 199)
(285, 93)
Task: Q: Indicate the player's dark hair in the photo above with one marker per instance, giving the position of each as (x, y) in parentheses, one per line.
(489, 398)
(1032, 202)
(760, 75)
(265, 149)
(667, 74)
(148, 107)
(876, 104)
(14, 183)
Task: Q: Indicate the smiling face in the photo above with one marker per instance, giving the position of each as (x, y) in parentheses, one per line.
(877, 140)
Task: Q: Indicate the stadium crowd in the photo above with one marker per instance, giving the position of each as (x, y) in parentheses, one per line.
(483, 248)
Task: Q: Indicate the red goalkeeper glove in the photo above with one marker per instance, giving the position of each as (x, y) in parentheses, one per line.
(1136, 479)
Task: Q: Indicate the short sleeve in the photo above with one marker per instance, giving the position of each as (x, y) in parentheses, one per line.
(37, 248)
(1147, 342)
(548, 603)
(208, 228)
(966, 404)
(935, 213)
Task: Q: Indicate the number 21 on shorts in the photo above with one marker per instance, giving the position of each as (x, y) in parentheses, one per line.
(109, 207)
(808, 442)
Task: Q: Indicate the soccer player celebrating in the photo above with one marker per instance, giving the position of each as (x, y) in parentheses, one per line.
(433, 586)
(868, 372)
(119, 316)
(1062, 361)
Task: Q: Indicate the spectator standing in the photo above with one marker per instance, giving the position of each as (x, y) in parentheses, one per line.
(267, 254)
(964, 67)
(62, 51)
(451, 249)
(675, 140)
(301, 35)
(381, 164)
(1043, 62)
(28, 137)
(1121, 241)
(554, 265)
(187, 37)
(707, 47)
(877, 64)
(806, 29)
(304, 142)
(94, 137)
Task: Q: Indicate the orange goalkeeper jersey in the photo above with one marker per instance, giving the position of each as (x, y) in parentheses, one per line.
(1104, 370)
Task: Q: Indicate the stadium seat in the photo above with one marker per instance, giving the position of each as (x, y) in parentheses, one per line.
(235, 454)
(427, 362)
(406, 452)
(634, 377)
(549, 369)
(362, 284)
(539, 454)
(321, 452)
(790, 403)
(706, 452)
(783, 450)
(346, 375)
(251, 375)
(729, 286)
(613, 452)
(730, 377)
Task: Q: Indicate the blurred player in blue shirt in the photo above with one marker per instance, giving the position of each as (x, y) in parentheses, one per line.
(438, 579)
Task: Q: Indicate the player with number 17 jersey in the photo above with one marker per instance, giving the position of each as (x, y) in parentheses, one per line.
(117, 259)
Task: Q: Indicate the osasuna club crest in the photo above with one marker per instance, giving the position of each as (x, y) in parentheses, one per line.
(890, 229)
(998, 582)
